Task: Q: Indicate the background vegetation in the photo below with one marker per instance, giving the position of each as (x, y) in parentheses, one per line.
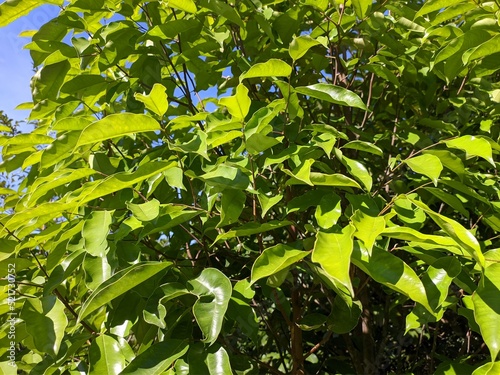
(256, 186)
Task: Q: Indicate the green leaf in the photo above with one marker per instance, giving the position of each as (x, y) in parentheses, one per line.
(473, 146)
(59, 149)
(328, 211)
(449, 199)
(7, 247)
(321, 179)
(224, 10)
(214, 290)
(344, 318)
(95, 233)
(487, 308)
(120, 283)
(487, 48)
(145, 211)
(13, 9)
(185, 5)
(48, 81)
(428, 165)
(156, 359)
(238, 105)
(117, 125)
(409, 234)
(389, 270)
(491, 368)
(332, 94)
(433, 5)
(356, 169)
(456, 231)
(232, 204)
(438, 277)
(275, 259)
(210, 361)
(364, 146)
(105, 356)
(266, 203)
(252, 228)
(368, 228)
(156, 101)
(449, 160)
(361, 7)
(26, 139)
(300, 45)
(333, 252)
(301, 173)
(46, 322)
(226, 177)
(270, 68)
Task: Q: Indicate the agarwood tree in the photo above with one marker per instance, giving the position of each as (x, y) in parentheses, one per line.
(256, 186)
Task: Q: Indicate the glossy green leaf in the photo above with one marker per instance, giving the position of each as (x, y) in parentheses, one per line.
(391, 271)
(214, 290)
(368, 228)
(300, 45)
(45, 321)
(266, 203)
(301, 173)
(156, 101)
(456, 231)
(145, 211)
(473, 146)
(270, 68)
(223, 9)
(185, 5)
(97, 270)
(227, 177)
(487, 48)
(487, 308)
(238, 105)
(328, 211)
(120, 283)
(490, 368)
(232, 204)
(409, 234)
(361, 7)
(117, 125)
(26, 139)
(428, 165)
(438, 277)
(449, 160)
(157, 358)
(344, 318)
(433, 5)
(449, 199)
(252, 228)
(332, 94)
(49, 79)
(12, 10)
(105, 356)
(333, 252)
(275, 259)
(211, 361)
(337, 179)
(59, 149)
(356, 169)
(95, 233)
(364, 146)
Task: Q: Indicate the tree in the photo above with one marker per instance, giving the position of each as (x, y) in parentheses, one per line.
(256, 186)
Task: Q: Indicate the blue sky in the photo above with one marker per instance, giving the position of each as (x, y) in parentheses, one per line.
(16, 68)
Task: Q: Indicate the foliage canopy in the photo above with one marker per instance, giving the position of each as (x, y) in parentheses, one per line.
(256, 186)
